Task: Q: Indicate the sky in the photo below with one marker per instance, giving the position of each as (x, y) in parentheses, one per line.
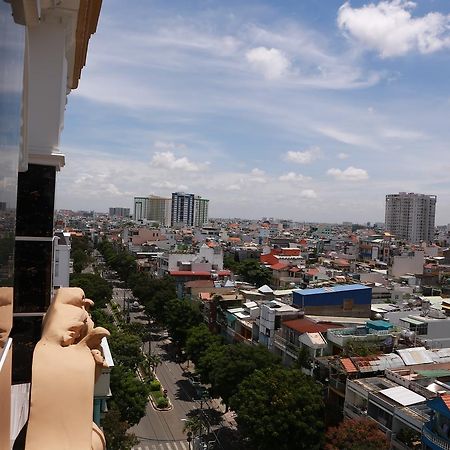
(308, 110)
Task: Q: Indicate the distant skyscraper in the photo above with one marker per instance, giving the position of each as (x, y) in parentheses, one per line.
(200, 211)
(119, 212)
(411, 216)
(160, 210)
(141, 205)
(182, 209)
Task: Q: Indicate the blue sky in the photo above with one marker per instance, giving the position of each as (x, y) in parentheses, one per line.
(310, 110)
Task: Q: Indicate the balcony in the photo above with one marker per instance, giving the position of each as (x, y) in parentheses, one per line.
(354, 411)
(433, 440)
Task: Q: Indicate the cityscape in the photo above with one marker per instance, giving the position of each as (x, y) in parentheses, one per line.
(224, 226)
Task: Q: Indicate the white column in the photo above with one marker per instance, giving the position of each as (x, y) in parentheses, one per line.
(46, 91)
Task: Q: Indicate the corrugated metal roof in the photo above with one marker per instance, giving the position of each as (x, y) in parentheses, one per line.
(411, 321)
(348, 365)
(337, 288)
(416, 355)
(403, 396)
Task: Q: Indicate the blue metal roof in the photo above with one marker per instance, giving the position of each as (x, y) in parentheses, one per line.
(337, 288)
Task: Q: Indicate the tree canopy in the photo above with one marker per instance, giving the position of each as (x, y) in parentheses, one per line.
(126, 349)
(116, 431)
(199, 339)
(226, 366)
(280, 408)
(80, 252)
(94, 287)
(356, 434)
(180, 315)
(130, 395)
(251, 271)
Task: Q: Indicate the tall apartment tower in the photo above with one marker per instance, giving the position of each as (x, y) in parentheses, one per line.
(141, 205)
(411, 216)
(182, 209)
(119, 212)
(200, 211)
(160, 210)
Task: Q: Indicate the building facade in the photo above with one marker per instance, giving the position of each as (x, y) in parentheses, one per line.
(141, 206)
(119, 212)
(183, 206)
(160, 210)
(411, 216)
(200, 211)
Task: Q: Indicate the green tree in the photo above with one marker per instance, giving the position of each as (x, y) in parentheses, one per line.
(229, 365)
(253, 272)
(94, 287)
(280, 408)
(129, 395)
(195, 425)
(115, 431)
(303, 360)
(126, 349)
(356, 434)
(154, 361)
(199, 339)
(180, 316)
(80, 253)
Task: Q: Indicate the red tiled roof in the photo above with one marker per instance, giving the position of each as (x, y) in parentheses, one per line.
(279, 266)
(224, 273)
(446, 399)
(294, 269)
(268, 259)
(348, 365)
(313, 272)
(290, 251)
(189, 273)
(342, 262)
(308, 326)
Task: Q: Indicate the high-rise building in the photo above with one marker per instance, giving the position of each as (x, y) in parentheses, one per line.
(119, 212)
(141, 205)
(182, 209)
(200, 211)
(160, 210)
(411, 216)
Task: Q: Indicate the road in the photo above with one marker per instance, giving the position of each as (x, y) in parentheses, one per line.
(164, 429)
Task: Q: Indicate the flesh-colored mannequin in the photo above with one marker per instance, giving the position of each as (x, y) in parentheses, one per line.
(6, 307)
(66, 362)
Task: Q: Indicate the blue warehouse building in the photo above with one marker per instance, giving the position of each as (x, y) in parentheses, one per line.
(351, 300)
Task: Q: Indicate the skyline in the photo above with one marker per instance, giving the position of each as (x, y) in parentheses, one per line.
(267, 110)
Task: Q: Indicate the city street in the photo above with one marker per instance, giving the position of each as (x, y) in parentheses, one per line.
(164, 429)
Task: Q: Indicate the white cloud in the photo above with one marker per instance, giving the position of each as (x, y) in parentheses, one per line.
(167, 160)
(233, 187)
(308, 193)
(292, 176)
(349, 174)
(343, 155)
(271, 62)
(304, 157)
(390, 29)
(345, 137)
(257, 172)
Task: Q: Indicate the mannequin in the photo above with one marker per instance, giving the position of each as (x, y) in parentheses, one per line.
(66, 362)
(6, 307)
